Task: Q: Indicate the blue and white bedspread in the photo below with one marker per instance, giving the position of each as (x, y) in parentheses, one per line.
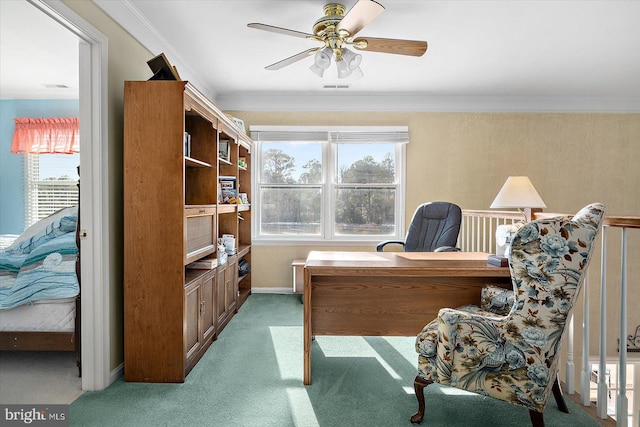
(47, 271)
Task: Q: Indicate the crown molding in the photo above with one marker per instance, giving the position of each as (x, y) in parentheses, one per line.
(422, 103)
(128, 17)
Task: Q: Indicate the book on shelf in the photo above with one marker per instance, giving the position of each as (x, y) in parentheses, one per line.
(204, 264)
(228, 190)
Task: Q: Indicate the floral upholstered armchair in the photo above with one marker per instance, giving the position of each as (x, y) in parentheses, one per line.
(509, 348)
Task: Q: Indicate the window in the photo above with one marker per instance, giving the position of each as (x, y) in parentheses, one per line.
(51, 183)
(51, 147)
(329, 184)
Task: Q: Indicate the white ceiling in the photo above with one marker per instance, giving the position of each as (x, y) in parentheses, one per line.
(498, 55)
(38, 56)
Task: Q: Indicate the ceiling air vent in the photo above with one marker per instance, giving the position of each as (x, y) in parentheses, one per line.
(335, 86)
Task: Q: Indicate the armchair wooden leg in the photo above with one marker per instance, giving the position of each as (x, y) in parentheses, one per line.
(557, 393)
(419, 384)
(536, 418)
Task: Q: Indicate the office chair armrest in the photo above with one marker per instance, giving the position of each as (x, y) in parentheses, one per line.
(381, 245)
(447, 249)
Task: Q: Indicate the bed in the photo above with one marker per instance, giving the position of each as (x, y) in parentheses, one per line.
(40, 287)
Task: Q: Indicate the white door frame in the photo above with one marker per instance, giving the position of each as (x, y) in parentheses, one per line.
(94, 194)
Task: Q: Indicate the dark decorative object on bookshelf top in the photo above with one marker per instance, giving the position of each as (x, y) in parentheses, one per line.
(162, 69)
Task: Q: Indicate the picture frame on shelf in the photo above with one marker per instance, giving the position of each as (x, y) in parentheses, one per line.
(240, 124)
(187, 144)
(224, 150)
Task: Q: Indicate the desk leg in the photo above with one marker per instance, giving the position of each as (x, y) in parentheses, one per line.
(307, 327)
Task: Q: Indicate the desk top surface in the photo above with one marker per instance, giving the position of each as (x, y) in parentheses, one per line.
(319, 261)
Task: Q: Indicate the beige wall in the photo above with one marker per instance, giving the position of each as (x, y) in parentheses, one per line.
(572, 159)
(127, 61)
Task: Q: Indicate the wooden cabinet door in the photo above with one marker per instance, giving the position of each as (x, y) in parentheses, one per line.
(221, 294)
(208, 318)
(192, 308)
(232, 284)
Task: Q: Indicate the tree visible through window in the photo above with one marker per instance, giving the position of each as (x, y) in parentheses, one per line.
(291, 196)
(312, 186)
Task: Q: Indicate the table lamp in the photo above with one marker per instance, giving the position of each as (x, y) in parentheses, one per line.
(517, 192)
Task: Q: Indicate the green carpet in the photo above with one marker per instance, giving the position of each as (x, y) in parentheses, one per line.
(252, 376)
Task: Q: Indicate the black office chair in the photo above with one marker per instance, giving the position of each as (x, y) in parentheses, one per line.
(434, 228)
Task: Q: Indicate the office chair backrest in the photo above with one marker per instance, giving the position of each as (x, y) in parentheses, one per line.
(434, 225)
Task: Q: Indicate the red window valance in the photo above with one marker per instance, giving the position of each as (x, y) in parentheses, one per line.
(46, 135)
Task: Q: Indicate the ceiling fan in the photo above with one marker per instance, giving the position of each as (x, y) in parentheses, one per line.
(336, 32)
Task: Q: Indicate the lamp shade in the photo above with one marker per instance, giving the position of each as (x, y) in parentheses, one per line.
(518, 192)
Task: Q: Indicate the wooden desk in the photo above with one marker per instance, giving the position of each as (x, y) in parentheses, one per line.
(388, 293)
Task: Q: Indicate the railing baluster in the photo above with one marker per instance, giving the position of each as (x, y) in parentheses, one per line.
(585, 377)
(484, 234)
(622, 407)
(473, 233)
(570, 373)
(602, 369)
(479, 235)
(491, 236)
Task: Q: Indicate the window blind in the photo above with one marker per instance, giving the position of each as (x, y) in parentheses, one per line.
(51, 183)
(338, 135)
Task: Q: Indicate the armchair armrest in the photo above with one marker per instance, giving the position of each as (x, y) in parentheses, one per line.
(458, 331)
(381, 245)
(496, 356)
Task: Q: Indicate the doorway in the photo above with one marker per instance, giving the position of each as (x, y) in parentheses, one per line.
(94, 192)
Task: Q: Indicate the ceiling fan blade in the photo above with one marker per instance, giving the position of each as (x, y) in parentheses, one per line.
(280, 30)
(395, 46)
(361, 14)
(290, 60)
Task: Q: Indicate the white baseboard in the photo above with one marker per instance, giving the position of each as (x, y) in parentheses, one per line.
(286, 290)
(116, 373)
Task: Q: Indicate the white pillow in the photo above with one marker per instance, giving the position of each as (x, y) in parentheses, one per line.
(40, 226)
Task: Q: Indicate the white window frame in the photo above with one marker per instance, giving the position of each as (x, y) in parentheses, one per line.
(33, 211)
(328, 184)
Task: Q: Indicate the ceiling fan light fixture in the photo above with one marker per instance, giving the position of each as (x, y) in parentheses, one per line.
(352, 59)
(317, 70)
(357, 74)
(322, 58)
(343, 69)
(336, 30)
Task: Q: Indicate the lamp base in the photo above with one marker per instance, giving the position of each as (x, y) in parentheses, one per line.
(498, 261)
